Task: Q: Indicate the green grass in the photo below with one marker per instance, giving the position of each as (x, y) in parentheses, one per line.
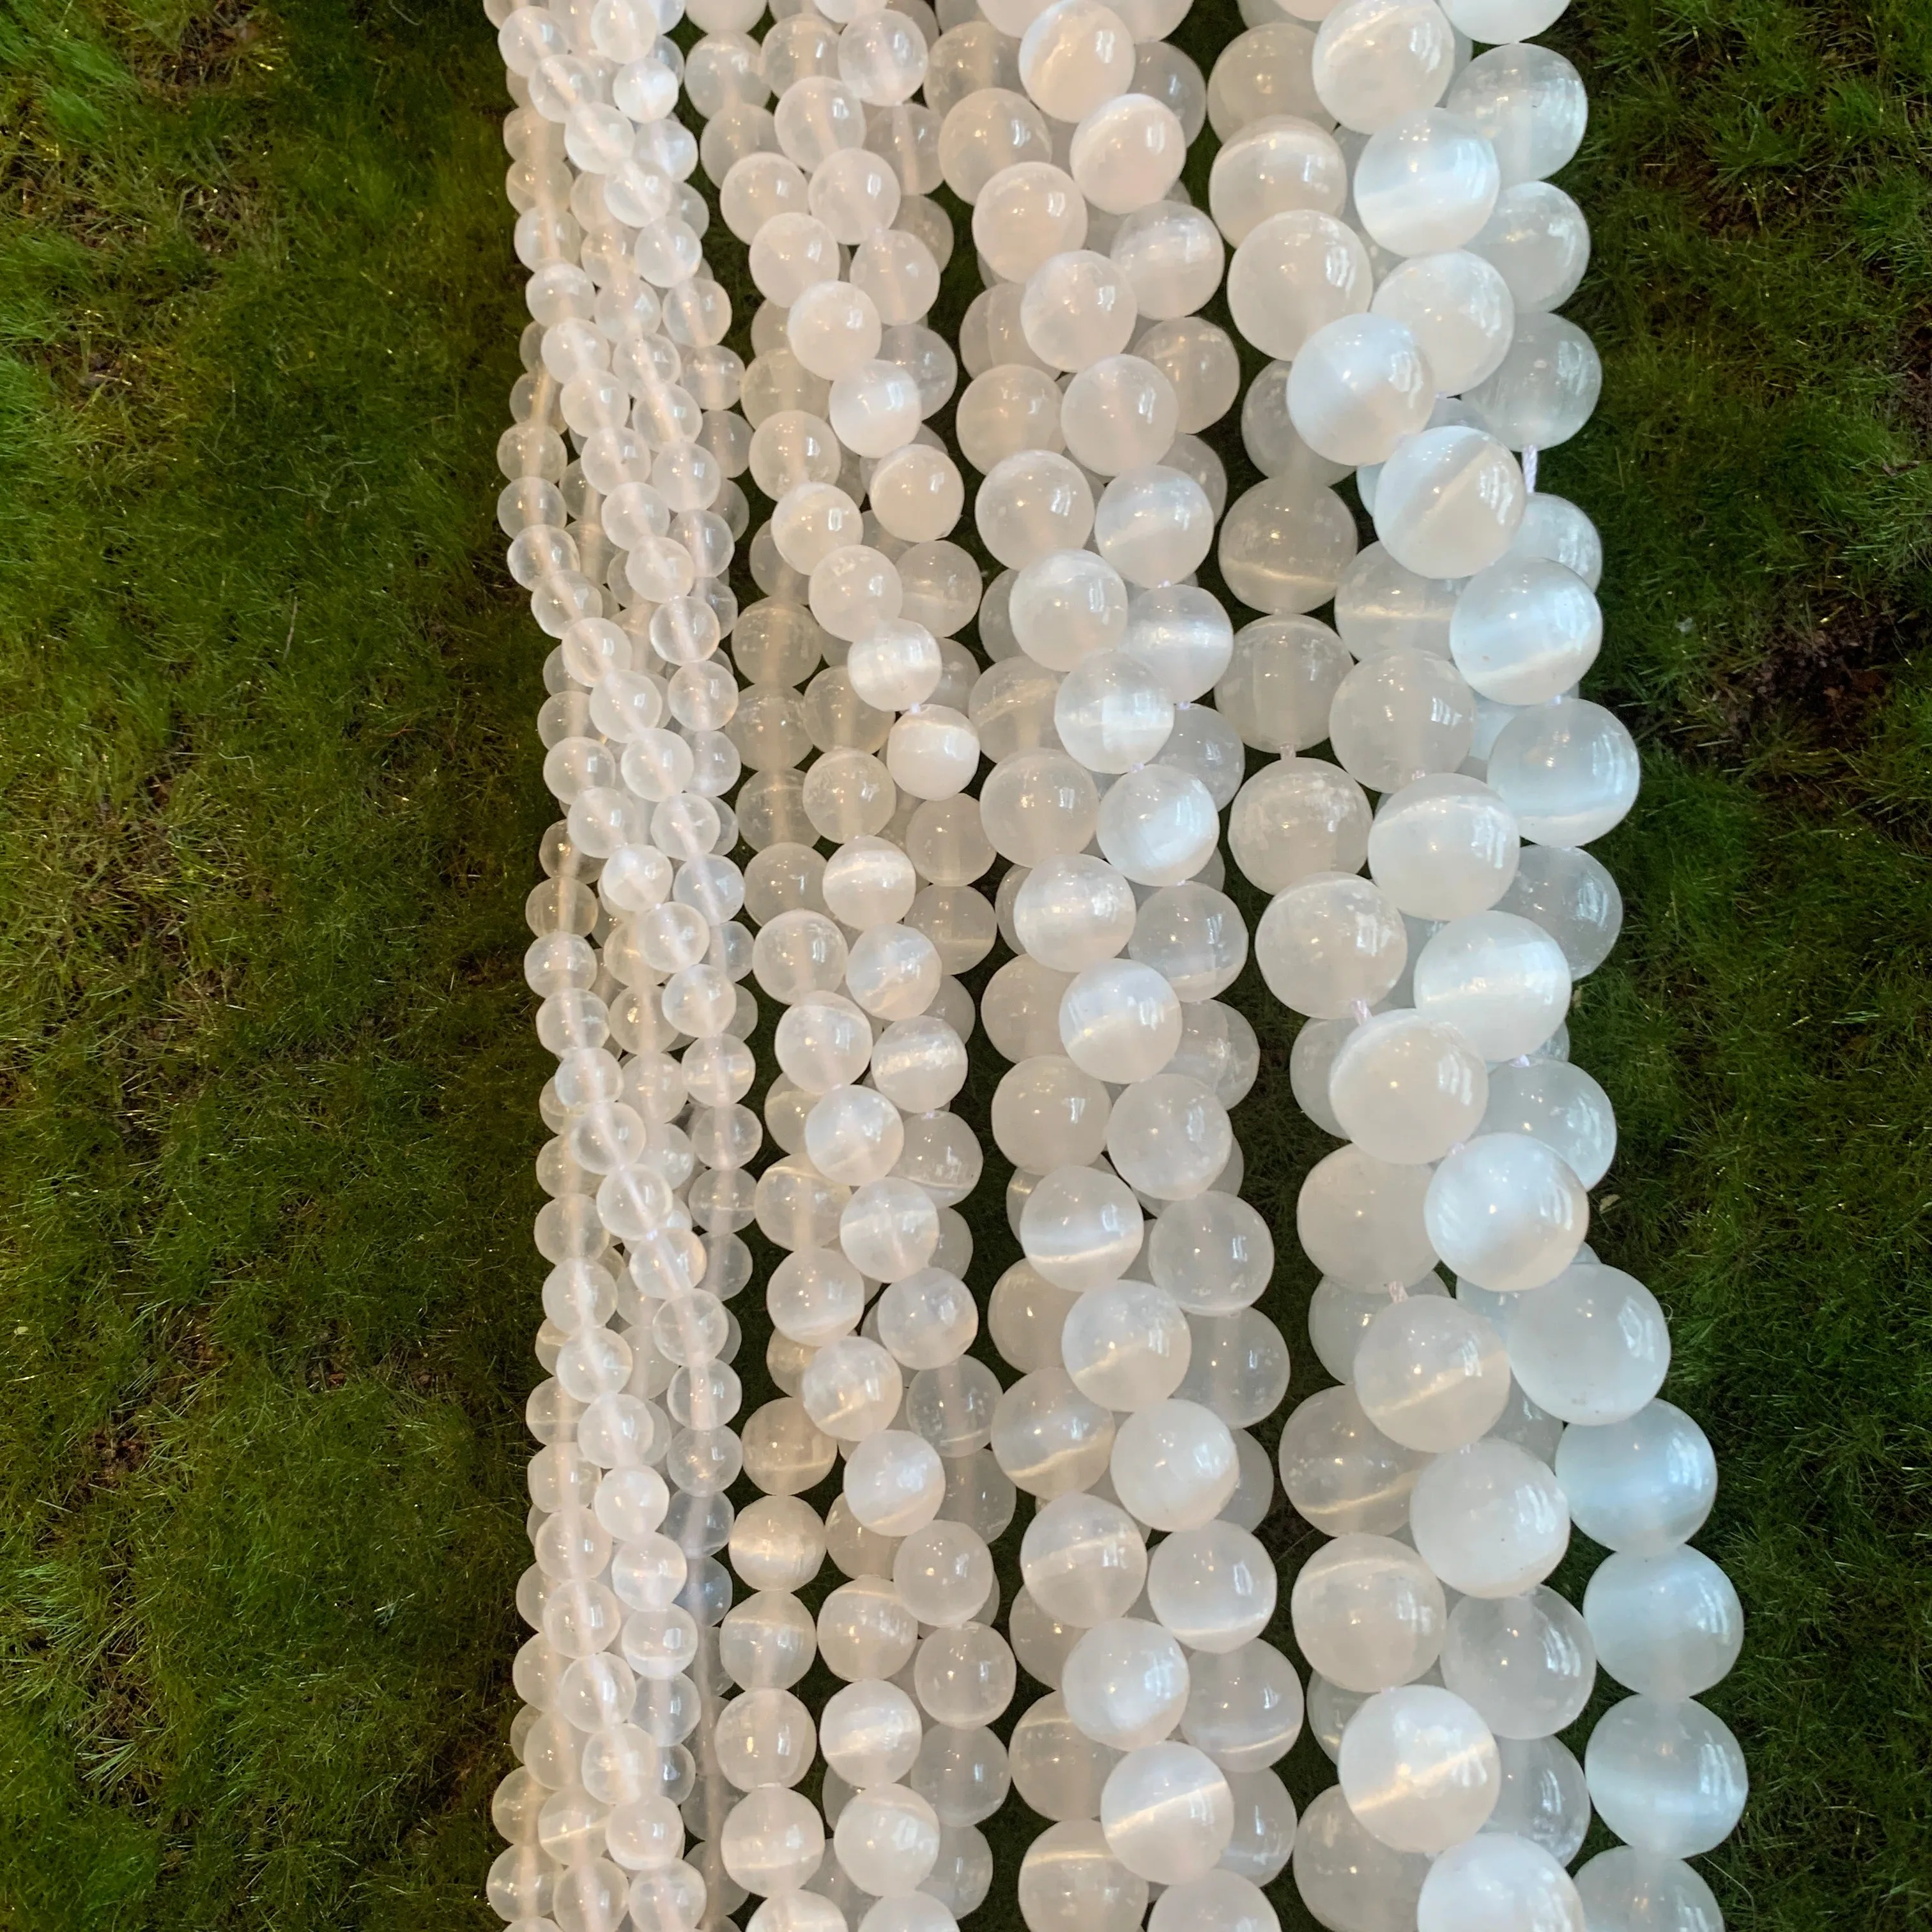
(272, 796)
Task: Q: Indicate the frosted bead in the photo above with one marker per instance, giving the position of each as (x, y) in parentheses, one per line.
(1431, 1374)
(1171, 256)
(917, 493)
(1272, 167)
(1083, 1559)
(1069, 1881)
(1348, 1880)
(765, 1737)
(1213, 1252)
(1374, 60)
(1360, 1219)
(965, 1676)
(1426, 183)
(1368, 1613)
(790, 253)
(1357, 386)
(1026, 214)
(1167, 1812)
(1126, 1346)
(773, 1840)
(1498, 980)
(1127, 153)
(1642, 1485)
(894, 1482)
(1213, 1587)
(1666, 1625)
(887, 1839)
(778, 1543)
(1490, 1519)
(1537, 239)
(854, 193)
(1419, 1768)
(1544, 1798)
(1592, 1348)
(1046, 1110)
(1174, 1465)
(1666, 1775)
(1295, 819)
(1262, 72)
(1568, 770)
(1401, 716)
(1527, 1663)
(1380, 606)
(1498, 1883)
(1075, 56)
(1448, 502)
(875, 409)
(1625, 1890)
(1125, 1683)
(1073, 912)
(1076, 309)
(1119, 413)
(1408, 1089)
(1181, 634)
(1507, 1212)
(1545, 389)
(1033, 503)
(1154, 524)
(1080, 1228)
(1529, 102)
(1328, 941)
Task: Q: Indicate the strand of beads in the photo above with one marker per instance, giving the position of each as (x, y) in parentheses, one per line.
(846, 373)
(1125, 1066)
(650, 531)
(1405, 273)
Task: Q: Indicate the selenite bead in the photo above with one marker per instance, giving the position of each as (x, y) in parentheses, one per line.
(1529, 101)
(1213, 1587)
(1199, 358)
(1591, 1347)
(1431, 1374)
(1264, 72)
(1066, 604)
(1080, 1228)
(1642, 1485)
(1285, 546)
(1507, 1212)
(1046, 1110)
(1496, 1882)
(1214, 1253)
(1626, 1890)
(1500, 980)
(887, 1839)
(1350, 1881)
(1294, 272)
(1070, 1882)
(1181, 634)
(1033, 502)
(1157, 825)
(1545, 388)
(1380, 606)
(1666, 1775)
(1667, 1624)
(1328, 941)
(1126, 1346)
(865, 1632)
(1448, 502)
(1538, 241)
(1500, 20)
(1263, 1841)
(1125, 1683)
(1460, 309)
(942, 1573)
(1047, 1437)
(1401, 716)
(1368, 1613)
(1271, 167)
(963, 1774)
(1567, 769)
(1357, 386)
(669, 1899)
(1026, 214)
(965, 1676)
(1295, 820)
(1172, 257)
(1127, 153)
(1221, 1901)
(1073, 912)
(1426, 183)
(1419, 1768)
(1111, 713)
(1544, 1798)
(1174, 1465)
(1490, 1519)
(1085, 1560)
(773, 1840)
(1167, 1812)
(1077, 309)
(1527, 1663)
(1006, 410)
(1407, 1089)
(1154, 524)
(1374, 60)
(1361, 1220)
(1075, 55)
(1525, 630)
(894, 1483)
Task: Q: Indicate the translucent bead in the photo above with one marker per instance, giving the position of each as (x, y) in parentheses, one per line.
(1065, 603)
(1262, 73)
(1257, 1854)
(865, 1632)
(1059, 1771)
(1666, 1775)
(1070, 1882)
(1294, 820)
(1529, 103)
(1034, 503)
(1077, 309)
(1500, 980)
(1157, 825)
(1544, 1798)
(1349, 1880)
(1171, 256)
(1126, 1346)
(1496, 1882)
(1075, 56)
(1085, 1560)
(1213, 1252)
(1167, 1812)
(1626, 1890)
(1368, 1613)
(1073, 912)
(1448, 502)
(773, 1840)
(1525, 630)
(1506, 1213)
(1545, 388)
(1285, 546)
(1568, 770)
(1431, 1374)
(1490, 1519)
(1047, 1111)
(1374, 60)
(1538, 241)
(1125, 1683)
(1026, 214)
(1329, 941)
(1174, 1465)
(1592, 1348)
(1408, 1089)
(887, 1839)
(1666, 1625)
(1244, 1707)
(1047, 1437)
(1643, 1485)
(1293, 274)
(1273, 167)
(1426, 183)
(1526, 1663)
(894, 1483)
(1419, 1768)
